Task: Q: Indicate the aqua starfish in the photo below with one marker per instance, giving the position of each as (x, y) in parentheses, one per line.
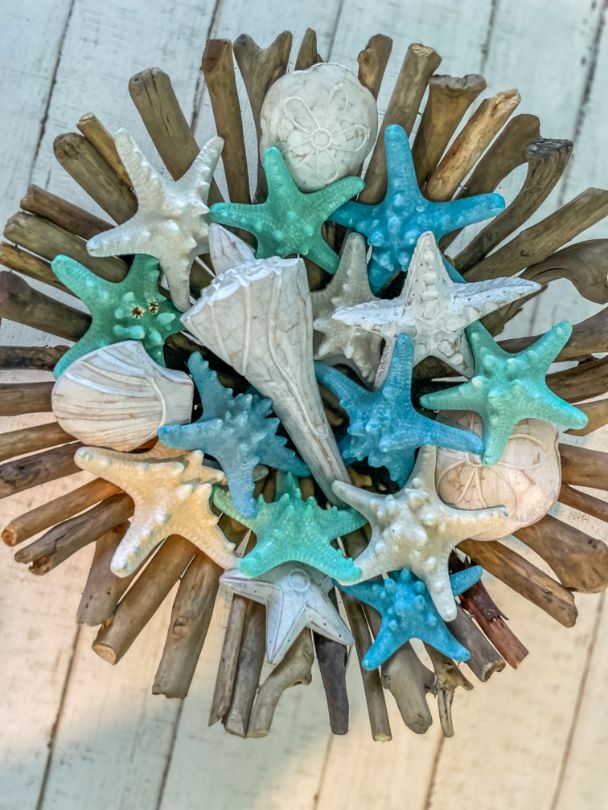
(384, 426)
(393, 226)
(235, 430)
(407, 611)
(131, 309)
(291, 529)
(507, 388)
(289, 221)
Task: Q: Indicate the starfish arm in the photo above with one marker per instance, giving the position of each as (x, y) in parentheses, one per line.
(277, 174)
(351, 395)
(465, 397)
(186, 437)
(225, 503)
(352, 215)
(121, 468)
(543, 352)
(320, 253)
(338, 522)
(401, 174)
(283, 626)
(237, 215)
(461, 581)
(207, 537)
(386, 643)
(93, 338)
(496, 431)
(440, 638)
(90, 288)
(177, 271)
(364, 502)
(203, 167)
(398, 382)
(463, 523)
(326, 621)
(442, 435)
(269, 552)
(458, 214)
(239, 473)
(382, 268)
(440, 591)
(376, 316)
(274, 454)
(487, 296)
(215, 398)
(135, 546)
(287, 484)
(329, 199)
(130, 237)
(557, 410)
(147, 182)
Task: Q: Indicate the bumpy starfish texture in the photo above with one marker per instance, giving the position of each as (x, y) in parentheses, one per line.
(507, 388)
(415, 529)
(335, 341)
(407, 611)
(289, 221)
(132, 309)
(170, 222)
(171, 496)
(392, 227)
(296, 597)
(384, 426)
(291, 529)
(434, 310)
(235, 430)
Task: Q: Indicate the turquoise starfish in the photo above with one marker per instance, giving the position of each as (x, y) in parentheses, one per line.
(289, 221)
(384, 426)
(407, 611)
(235, 430)
(393, 226)
(132, 309)
(291, 529)
(507, 388)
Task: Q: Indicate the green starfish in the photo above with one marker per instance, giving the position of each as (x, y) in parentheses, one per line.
(131, 309)
(291, 529)
(289, 221)
(507, 388)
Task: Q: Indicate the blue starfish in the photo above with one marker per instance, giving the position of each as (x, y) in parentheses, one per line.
(393, 226)
(407, 611)
(235, 430)
(384, 426)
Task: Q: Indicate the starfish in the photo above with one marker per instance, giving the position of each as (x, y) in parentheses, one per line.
(170, 222)
(434, 310)
(407, 611)
(392, 227)
(289, 221)
(507, 388)
(384, 426)
(290, 528)
(416, 529)
(338, 342)
(171, 496)
(296, 597)
(235, 430)
(131, 309)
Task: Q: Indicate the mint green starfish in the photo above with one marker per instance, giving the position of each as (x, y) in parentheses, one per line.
(291, 529)
(131, 309)
(289, 221)
(507, 388)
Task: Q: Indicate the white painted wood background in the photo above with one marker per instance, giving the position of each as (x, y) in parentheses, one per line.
(76, 733)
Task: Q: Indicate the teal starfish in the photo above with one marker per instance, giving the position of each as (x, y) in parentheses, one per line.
(407, 611)
(507, 388)
(384, 426)
(289, 221)
(291, 529)
(132, 309)
(392, 227)
(237, 431)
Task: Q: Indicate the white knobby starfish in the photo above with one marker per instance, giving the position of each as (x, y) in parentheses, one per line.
(433, 310)
(170, 222)
(415, 529)
(296, 596)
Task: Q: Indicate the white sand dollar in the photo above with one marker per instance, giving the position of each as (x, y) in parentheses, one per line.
(324, 122)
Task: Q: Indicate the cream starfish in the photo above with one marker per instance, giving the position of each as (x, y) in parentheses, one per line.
(170, 223)
(171, 496)
(415, 529)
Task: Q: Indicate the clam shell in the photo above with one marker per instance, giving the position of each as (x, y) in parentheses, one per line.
(118, 397)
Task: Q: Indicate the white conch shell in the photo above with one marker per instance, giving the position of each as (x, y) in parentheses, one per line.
(526, 479)
(258, 318)
(227, 249)
(118, 397)
(323, 120)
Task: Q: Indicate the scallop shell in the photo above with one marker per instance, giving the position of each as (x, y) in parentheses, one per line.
(118, 397)
(526, 479)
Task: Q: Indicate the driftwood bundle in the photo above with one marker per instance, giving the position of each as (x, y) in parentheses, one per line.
(488, 147)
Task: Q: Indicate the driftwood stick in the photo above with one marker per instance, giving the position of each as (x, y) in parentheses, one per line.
(102, 140)
(293, 670)
(332, 658)
(39, 358)
(586, 380)
(448, 100)
(190, 619)
(18, 398)
(30, 439)
(143, 598)
(103, 589)
(29, 265)
(448, 677)
(88, 168)
(60, 212)
(584, 264)
(308, 54)
(373, 60)
(582, 467)
(596, 507)
(218, 69)
(588, 336)
(251, 661)
(68, 537)
(23, 304)
(31, 471)
(597, 413)
(57, 510)
(418, 66)
(484, 660)
(524, 578)
(229, 659)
